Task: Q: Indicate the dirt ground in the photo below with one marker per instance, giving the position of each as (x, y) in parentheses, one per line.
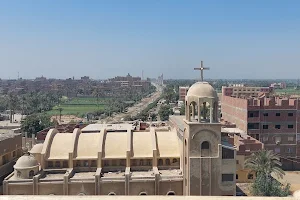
(293, 178)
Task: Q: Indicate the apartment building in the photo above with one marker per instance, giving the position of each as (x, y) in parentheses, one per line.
(182, 92)
(274, 121)
(240, 90)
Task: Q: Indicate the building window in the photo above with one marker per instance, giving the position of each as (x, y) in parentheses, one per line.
(148, 162)
(112, 193)
(86, 163)
(288, 150)
(185, 160)
(290, 126)
(227, 177)
(237, 162)
(277, 114)
(167, 161)
(143, 193)
(227, 153)
(265, 138)
(250, 176)
(141, 162)
(160, 162)
(106, 162)
(265, 126)
(290, 139)
(93, 163)
(171, 193)
(133, 162)
(266, 114)
(78, 163)
(18, 174)
(31, 173)
(277, 126)
(277, 150)
(237, 177)
(65, 164)
(57, 164)
(290, 114)
(14, 153)
(50, 164)
(205, 145)
(253, 126)
(174, 160)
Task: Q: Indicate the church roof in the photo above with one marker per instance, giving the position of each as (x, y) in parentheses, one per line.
(115, 145)
(89, 145)
(168, 145)
(202, 89)
(142, 145)
(61, 145)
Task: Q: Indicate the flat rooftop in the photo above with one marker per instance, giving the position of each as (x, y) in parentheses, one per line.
(142, 174)
(171, 172)
(5, 134)
(49, 175)
(118, 174)
(83, 175)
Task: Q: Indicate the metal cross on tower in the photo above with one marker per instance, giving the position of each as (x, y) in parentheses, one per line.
(201, 68)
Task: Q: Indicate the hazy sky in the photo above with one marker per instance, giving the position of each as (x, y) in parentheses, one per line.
(102, 39)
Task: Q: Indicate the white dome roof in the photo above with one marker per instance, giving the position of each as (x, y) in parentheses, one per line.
(26, 161)
(202, 89)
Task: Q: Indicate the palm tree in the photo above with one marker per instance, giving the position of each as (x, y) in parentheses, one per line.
(265, 162)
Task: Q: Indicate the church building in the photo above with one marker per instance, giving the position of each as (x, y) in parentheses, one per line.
(189, 158)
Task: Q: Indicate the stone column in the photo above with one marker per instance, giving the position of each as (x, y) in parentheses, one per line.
(193, 111)
(204, 110)
(199, 111)
(211, 114)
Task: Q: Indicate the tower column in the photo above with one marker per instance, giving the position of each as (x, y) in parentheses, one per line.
(193, 111)
(211, 114)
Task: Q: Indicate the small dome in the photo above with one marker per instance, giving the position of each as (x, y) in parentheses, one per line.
(26, 161)
(202, 89)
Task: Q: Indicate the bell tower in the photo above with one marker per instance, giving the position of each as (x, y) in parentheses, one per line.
(202, 142)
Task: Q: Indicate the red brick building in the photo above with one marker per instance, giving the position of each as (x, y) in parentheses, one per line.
(273, 121)
(182, 93)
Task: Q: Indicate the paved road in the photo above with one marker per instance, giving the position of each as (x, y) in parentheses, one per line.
(134, 110)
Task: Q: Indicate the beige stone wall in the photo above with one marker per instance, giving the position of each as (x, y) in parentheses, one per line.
(50, 188)
(135, 188)
(85, 188)
(167, 186)
(17, 189)
(117, 187)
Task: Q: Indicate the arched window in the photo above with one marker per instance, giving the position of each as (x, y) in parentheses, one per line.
(174, 160)
(31, 173)
(81, 194)
(160, 162)
(18, 174)
(143, 193)
(205, 145)
(171, 193)
(112, 193)
(167, 161)
(50, 164)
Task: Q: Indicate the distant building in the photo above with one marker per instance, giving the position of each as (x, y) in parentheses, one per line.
(245, 145)
(274, 121)
(85, 78)
(278, 85)
(183, 92)
(239, 90)
(10, 151)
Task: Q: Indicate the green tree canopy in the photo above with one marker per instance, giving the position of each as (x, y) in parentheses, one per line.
(35, 123)
(264, 163)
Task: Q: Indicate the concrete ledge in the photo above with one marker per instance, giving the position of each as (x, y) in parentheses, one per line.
(38, 197)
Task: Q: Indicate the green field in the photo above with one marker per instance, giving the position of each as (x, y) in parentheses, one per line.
(288, 91)
(79, 106)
